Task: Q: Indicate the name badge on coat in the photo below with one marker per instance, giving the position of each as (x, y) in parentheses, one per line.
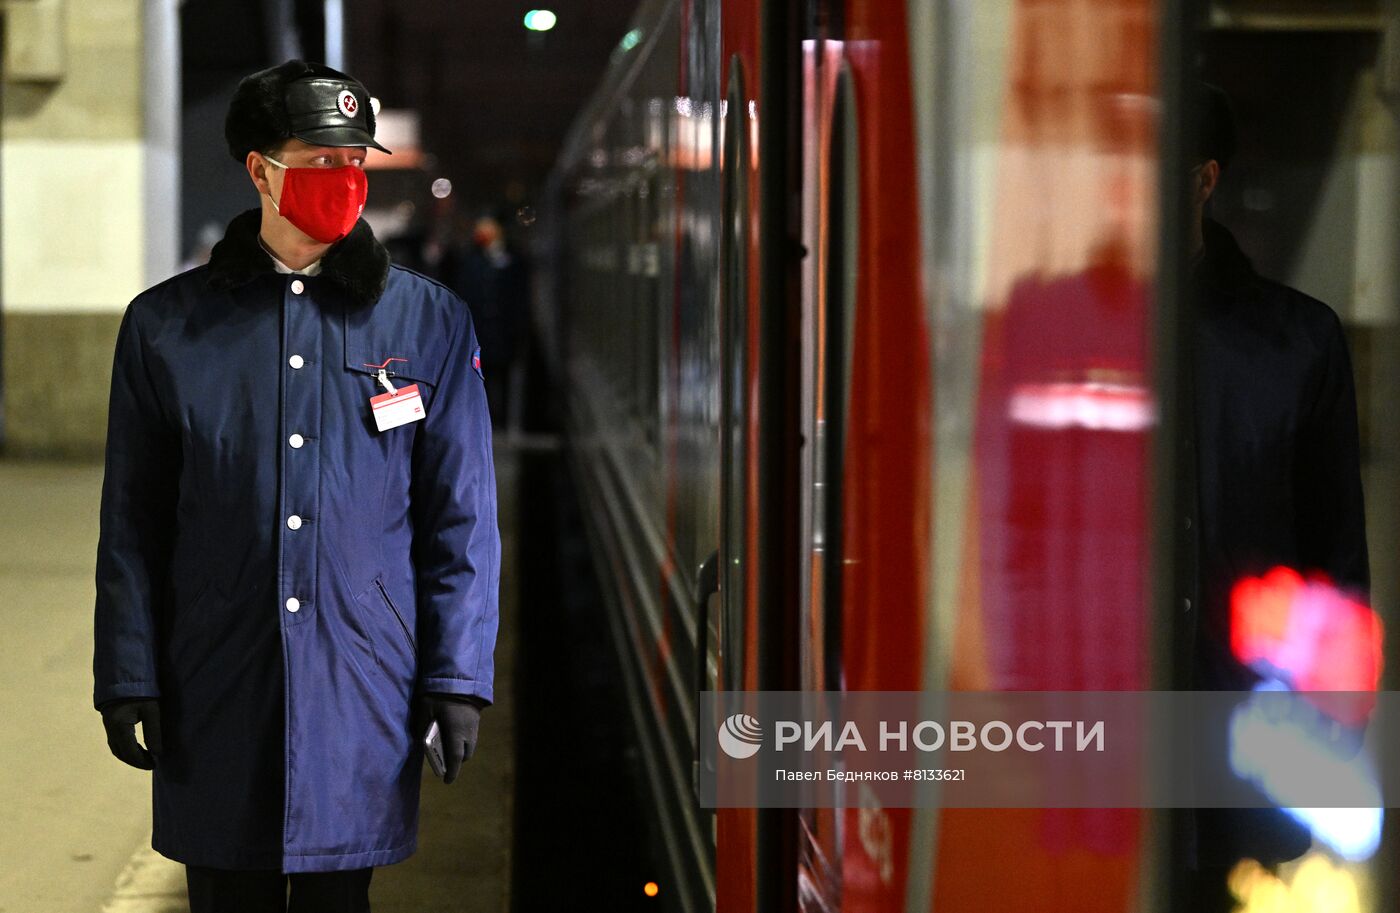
(396, 406)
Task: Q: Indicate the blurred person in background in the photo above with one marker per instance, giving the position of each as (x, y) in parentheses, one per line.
(493, 279)
(407, 246)
(298, 560)
(1277, 476)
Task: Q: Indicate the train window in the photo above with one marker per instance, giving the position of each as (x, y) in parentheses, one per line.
(734, 372)
(644, 264)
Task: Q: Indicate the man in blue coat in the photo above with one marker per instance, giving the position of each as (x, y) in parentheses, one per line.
(298, 561)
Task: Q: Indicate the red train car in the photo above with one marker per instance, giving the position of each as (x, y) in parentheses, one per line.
(861, 314)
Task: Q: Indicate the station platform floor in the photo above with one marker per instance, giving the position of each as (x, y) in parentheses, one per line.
(77, 822)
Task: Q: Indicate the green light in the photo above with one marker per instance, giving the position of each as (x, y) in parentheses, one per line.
(540, 20)
(629, 41)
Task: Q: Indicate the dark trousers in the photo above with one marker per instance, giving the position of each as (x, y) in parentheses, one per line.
(265, 891)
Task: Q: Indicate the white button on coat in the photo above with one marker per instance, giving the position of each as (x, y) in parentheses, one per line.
(296, 440)
(294, 521)
(297, 287)
(293, 604)
(296, 361)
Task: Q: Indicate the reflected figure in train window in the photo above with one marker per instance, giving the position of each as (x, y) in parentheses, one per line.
(1272, 457)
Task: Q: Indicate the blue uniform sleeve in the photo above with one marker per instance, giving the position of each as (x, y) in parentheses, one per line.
(140, 490)
(456, 542)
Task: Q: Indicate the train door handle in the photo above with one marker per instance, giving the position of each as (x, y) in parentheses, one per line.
(707, 585)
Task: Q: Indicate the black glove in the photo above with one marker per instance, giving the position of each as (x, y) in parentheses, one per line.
(120, 718)
(458, 717)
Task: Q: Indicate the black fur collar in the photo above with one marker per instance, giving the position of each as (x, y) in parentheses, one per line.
(358, 262)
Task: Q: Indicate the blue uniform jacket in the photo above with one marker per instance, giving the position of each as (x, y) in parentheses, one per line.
(281, 575)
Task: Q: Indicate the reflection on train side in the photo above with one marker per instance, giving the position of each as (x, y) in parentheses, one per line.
(1307, 636)
(956, 221)
(1096, 406)
(1312, 885)
(1305, 633)
(1285, 754)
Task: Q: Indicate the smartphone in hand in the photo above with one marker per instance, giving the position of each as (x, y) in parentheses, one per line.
(432, 749)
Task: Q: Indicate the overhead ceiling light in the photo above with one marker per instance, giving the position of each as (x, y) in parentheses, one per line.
(540, 20)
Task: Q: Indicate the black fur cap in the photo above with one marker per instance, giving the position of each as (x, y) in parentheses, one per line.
(257, 115)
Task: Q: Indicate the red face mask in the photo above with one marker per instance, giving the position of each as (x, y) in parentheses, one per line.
(323, 202)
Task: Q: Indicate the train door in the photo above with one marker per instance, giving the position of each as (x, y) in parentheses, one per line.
(979, 241)
(830, 238)
(732, 573)
(865, 420)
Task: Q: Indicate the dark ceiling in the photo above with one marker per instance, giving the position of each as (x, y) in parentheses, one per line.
(495, 99)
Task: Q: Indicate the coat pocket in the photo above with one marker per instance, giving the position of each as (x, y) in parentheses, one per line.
(403, 366)
(403, 625)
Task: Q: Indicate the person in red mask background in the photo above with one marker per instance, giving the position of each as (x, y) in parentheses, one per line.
(298, 561)
(493, 278)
